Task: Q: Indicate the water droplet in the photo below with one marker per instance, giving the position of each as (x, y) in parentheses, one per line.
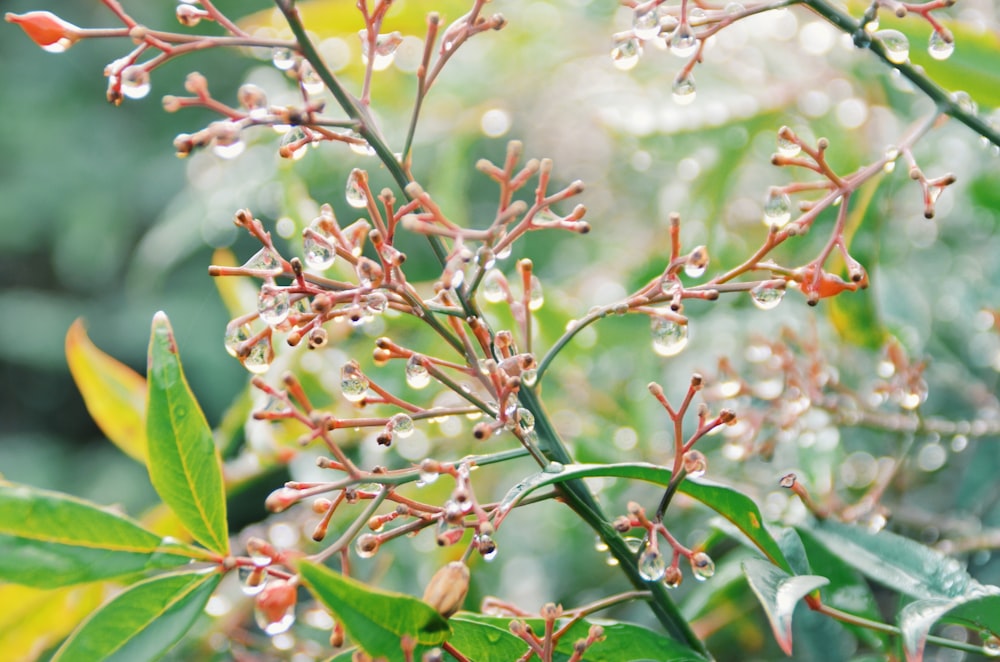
(529, 376)
(766, 297)
(487, 547)
(417, 376)
(965, 102)
(273, 627)
(493, 286)
(259, 356)
(646, 25)
(683, 43)
(236, 335)
(788, 148)
(672, 577)
(376, 302)
(273, 306)
(227, 143)
(402, 425)
(319, 253)
(252, 580)
(366, 545)
(669, 337)
(600, 545)
(991, 644)
(777, 208)
(353, 384)
(694, 268)
(897, 47)
(891, 154)
(634, 544)
(428, 477)
(684, 91)
(293, 144)
(611, 561)
(625, 54)
(668, 22)
(702, 566)
(265, 261)
(939, 48)
(135, 82)
(554, 467)
(283, 58)
(652, 567)
(913, 395)
(354, 193)
(485, 257)
(536, 297)
(695, 464)
(525, 419)
(360, 146)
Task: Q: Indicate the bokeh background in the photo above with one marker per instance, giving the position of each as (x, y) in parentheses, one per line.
(100, 220)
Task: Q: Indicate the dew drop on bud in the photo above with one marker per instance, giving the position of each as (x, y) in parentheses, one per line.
(695, 463)
(312, 84)
(669, 337)
(625, 54)
(652, 567)
(683, 43)
(766, 297)
(965, 102)
(353, 384)
(417, 375)
(293, 144)
(236, 335)
(529, 376)
(376, 302)
(227, 143)
(402, 425)
(525, 419)
(274, 608)
(788, 148)
(672, 577)
(777, 209)
(646, 25)
(252, 579)
(891, 154)
(265, 260)
(696, 263)
(702, 566)
(493, 290)
(684, 91)
(366, 545)
(485, 257)
(258, 358)
(135, 82)
(319, 254)
(536, 297)
(283, 58)
(991, 644)
(354, 193)
(359, 145)
(427, 477)
(939, 48)
(486, 547)
(897, 47)
(273, 305)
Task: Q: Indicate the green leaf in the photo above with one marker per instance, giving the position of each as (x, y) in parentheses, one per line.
(115, 394)
(375, 620)
(915, 621)
(43, 617)
(779, 593)
(48, 539)
(893, 560)
(142, 622)
(981, 612)
(622, 641)
(731, 504)
(485, 641)
(184, 464)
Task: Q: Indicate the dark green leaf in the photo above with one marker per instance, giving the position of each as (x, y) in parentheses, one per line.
(142, 622)
(893, 560)
(375, 620)
(49, 539)
(779, 593)
(731, 504)
(485, 642)
(981, 612)
(184, 463)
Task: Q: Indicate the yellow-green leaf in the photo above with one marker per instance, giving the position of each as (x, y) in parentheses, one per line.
(115, 394)
(37, 619)
(184, 464)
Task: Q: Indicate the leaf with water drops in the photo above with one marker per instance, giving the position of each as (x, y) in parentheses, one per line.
(374, 619)
(142, 622)
(779, 593)
(184, 464)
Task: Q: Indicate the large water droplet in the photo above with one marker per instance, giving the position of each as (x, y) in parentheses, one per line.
(702, 566)
(536, 297)
(366, 545)
(788, 148)
(777, 208)
(897, 46)
(766, 297)
(991, 645)
(529, 376)
(417, 375)
(273, 627)
(625, 54)
(486, 547)
(652, 567)
(646, 25)
(525, 419)
(283, 58)
(252, 580)
(273, 305)
(353, 384)
(402, 425)
(965, 102)
(669, 337)
(376, 302)
(354, 193)
(684, 91)
(293, 144)
(683, 43)
(135, 82)
(258, 358)
(493, 286)
(939, 48)
(318, 253)
(265, 261)
(236, 335)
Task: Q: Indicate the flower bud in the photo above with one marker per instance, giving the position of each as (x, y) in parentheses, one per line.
(47, 30)
(275, 601)
(447, 589)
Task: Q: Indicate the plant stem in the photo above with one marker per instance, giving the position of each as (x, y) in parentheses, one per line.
(944, 100)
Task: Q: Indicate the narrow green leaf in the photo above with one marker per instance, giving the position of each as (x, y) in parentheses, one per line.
(375, 620)
(485, 641)
(731, 504)
(142, 622)
(115, 394)
(915, 621)
(779, 593)
(893, 560)
(184, 464)
(48, 539)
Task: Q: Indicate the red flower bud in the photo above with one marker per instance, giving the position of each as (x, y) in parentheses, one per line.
(47, 30)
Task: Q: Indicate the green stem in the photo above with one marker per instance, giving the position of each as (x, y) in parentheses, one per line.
(944, 100)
